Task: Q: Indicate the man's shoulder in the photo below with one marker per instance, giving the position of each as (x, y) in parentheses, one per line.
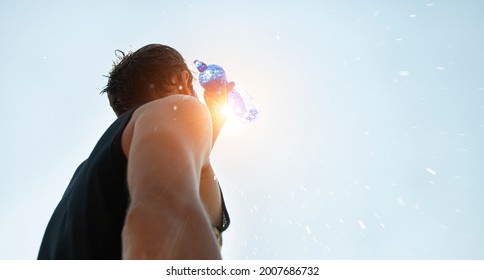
(175, 115)
(174, 107)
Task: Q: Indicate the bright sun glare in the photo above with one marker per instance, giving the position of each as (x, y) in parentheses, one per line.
(233, 125)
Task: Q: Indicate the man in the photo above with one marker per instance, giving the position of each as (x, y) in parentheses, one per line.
(147, 191)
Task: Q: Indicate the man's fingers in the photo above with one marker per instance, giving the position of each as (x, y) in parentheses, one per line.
(229, 87)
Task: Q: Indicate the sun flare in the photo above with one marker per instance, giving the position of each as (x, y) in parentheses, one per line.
(233, 125)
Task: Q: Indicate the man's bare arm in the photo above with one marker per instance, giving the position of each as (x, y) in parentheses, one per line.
(170, 145)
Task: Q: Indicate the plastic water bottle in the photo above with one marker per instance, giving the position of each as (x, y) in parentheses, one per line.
(213, 78)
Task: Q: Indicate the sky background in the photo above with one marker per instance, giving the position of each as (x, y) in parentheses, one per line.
(370, 139)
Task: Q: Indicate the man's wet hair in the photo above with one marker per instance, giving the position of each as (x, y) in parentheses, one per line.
(139, 76)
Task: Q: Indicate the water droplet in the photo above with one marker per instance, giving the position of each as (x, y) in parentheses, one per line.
(403, 73)
(441, 68)
(400, 201)
(412, 15)
(431, 171)
(175, 108)
(362, 225)
(308, 230)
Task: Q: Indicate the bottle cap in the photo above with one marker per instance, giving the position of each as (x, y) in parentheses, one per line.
(200, 65)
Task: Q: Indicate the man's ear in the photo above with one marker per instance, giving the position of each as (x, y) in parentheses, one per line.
(185, 76)
(185, 79)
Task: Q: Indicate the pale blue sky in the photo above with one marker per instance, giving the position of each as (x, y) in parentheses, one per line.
(369, 144)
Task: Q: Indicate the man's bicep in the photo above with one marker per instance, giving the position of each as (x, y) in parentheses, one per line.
(154, 166)
(168, 149)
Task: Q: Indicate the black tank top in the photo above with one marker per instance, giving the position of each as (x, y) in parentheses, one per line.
(88, 220)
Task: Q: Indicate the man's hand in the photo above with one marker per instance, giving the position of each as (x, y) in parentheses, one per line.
(217, 105)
